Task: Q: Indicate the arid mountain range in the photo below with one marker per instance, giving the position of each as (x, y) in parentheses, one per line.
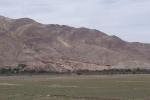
(61, 48)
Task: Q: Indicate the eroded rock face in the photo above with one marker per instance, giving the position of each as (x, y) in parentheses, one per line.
(62, 48)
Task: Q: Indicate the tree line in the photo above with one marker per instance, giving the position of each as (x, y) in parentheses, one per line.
(21, 69)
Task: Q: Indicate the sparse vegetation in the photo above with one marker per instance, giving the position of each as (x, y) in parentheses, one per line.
(13, 70)
(21, 69)
(114, 71)
(83, 87)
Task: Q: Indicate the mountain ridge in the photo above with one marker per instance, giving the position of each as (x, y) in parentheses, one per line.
(53, 47)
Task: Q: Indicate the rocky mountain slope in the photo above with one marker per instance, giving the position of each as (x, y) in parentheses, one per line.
(61, 48)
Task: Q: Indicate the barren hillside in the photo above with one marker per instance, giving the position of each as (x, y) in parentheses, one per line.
(61, 48)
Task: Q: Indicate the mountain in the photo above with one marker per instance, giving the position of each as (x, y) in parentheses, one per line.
(61, 48)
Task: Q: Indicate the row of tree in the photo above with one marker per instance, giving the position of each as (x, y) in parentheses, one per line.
(114, 71)
(21, 69)
(13, 70)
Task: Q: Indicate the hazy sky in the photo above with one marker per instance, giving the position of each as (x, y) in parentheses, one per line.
(128, 19)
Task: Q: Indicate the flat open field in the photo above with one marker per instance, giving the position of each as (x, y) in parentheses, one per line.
(73, 87)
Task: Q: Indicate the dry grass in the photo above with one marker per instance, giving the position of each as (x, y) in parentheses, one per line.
(45, 87)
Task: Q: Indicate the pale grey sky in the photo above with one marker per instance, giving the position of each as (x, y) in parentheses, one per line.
(128, 19)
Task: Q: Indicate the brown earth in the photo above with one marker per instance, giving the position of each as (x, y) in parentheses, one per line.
(60, 48)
